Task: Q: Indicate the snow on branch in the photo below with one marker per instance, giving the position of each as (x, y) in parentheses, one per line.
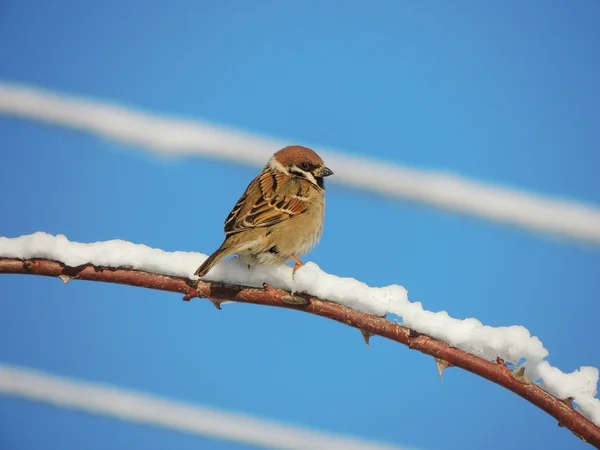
(467, 343)
(172, 136)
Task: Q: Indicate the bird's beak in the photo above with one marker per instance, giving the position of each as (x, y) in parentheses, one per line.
(323, 171)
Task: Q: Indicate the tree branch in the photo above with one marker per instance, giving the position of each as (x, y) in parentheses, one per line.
(497, 372)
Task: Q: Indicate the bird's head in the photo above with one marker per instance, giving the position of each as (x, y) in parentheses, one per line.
(301, 162)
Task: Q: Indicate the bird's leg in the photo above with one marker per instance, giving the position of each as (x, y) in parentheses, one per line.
(298, 264)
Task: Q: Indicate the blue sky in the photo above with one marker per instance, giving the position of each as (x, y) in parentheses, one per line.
(504, 93)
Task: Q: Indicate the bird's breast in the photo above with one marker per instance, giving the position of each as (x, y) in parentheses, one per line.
(310, 228)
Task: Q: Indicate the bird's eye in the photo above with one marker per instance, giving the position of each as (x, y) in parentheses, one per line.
(305, 166)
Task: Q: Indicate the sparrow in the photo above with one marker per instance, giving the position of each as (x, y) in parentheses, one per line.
(280, 216)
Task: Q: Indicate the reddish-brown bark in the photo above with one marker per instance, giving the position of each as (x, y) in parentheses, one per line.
(496, 372)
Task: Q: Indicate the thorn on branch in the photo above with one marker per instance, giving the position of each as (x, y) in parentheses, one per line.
(579, 436)
(366, 336)
(575, 433)
(519, 375)
(64, 278)
(568, 401)
(216, 303)
(441, 366)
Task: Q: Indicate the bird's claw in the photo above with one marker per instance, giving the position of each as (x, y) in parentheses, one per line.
(297, 265)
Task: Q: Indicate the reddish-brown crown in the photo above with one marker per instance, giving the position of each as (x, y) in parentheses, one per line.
(296, 154)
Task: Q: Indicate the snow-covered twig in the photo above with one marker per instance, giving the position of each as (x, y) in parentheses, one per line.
(126, 263)
(174, 136)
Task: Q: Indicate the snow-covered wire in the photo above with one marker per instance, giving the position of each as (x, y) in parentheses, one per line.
(165, 413)
(177, 136)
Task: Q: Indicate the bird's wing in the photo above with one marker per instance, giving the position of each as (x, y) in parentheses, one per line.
(271, 198)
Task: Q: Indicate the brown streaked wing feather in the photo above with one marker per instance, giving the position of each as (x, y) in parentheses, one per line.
(270, 181)
(265, 203)
(232, 217)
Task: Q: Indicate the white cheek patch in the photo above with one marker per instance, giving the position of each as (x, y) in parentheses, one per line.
(276, 165)
(309, 176)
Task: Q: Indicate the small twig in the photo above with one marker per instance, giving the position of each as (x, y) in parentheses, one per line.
(369, 325)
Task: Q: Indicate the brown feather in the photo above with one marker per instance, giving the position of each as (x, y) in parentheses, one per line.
(280, 215)
(294, 153)
(271, 198)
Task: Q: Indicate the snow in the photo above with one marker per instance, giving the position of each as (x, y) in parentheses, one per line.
(174, 136)
(104, 400)
(511, 343)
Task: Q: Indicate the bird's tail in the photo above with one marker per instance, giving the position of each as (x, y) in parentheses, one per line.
(217, 256)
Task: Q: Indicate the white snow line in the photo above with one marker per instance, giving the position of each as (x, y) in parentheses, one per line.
(511, 343)
(177, 136)
(183, 417)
